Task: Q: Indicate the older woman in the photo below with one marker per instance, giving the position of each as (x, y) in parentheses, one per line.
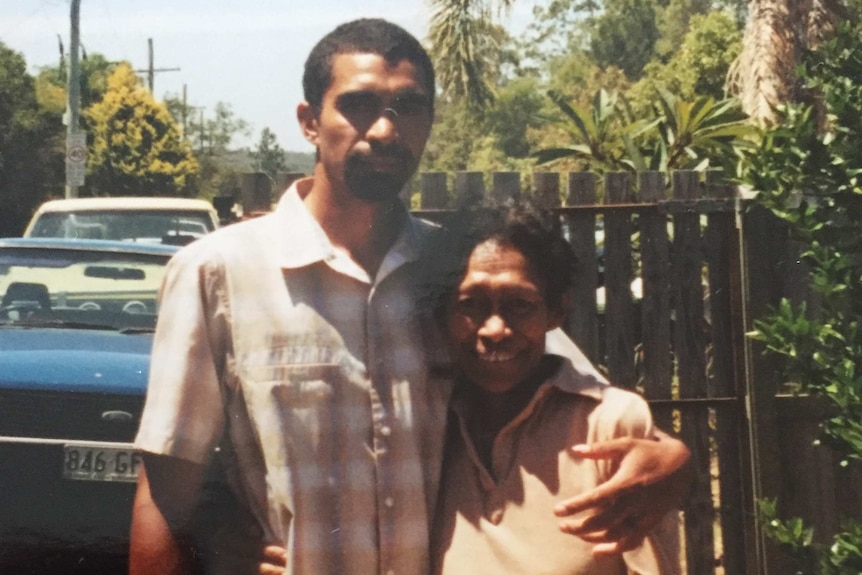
(519, 404)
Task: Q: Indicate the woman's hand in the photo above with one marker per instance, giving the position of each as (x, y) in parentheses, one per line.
(274, 561)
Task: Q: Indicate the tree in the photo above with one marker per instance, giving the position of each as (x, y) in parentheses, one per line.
(777, 35)
(450, 146)
(31, 156)
(95, 71)
(698, 67)
(673, 19)
(679, 135)
(558, 30)
(269, 157)
(465, 45)
(515, 111)
(136, 147)
(617, 33)
(211, 137)
(625, 36)
(498, 137)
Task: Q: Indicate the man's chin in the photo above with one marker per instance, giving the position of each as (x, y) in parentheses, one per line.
(377, 187)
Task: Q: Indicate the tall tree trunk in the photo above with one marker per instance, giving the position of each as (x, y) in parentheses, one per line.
(777, 35)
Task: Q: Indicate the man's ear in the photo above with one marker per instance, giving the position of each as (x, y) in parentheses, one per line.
(308, 122)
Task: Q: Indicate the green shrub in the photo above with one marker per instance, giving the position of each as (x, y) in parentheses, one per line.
(807, 171)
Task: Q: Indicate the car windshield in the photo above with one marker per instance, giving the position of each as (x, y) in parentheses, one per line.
(175, 227)
(77, 288)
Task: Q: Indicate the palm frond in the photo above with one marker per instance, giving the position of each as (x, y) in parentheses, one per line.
(549, 155)
(578, 119)
(462, 47)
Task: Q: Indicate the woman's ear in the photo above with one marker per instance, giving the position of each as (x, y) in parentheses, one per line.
(308, 122)
(559, 312)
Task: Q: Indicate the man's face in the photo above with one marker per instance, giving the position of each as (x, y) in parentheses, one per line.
(498, 318)
(372, 125)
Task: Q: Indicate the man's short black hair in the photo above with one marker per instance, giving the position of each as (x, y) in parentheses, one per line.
(363, 36)
(520, 223)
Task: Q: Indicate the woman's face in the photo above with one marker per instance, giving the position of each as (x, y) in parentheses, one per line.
(498, 318)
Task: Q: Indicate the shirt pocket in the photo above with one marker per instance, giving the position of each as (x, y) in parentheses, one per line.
(294, 409)
(293, 386)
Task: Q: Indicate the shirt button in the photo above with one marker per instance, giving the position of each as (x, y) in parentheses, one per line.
(385, 431)
(388, 502)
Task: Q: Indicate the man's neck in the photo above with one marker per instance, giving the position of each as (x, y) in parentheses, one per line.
(362, 229)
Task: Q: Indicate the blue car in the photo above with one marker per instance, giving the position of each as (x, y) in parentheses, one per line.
(76, 323)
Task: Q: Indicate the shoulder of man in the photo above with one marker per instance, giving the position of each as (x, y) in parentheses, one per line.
(243, 241)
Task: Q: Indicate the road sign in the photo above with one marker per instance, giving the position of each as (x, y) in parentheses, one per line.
(76, 158)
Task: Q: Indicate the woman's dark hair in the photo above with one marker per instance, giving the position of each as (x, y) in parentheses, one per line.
(363, 36)
(533, 231)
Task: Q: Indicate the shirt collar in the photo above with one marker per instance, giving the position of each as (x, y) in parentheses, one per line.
(303, 242)
(577, 374)
(576, 379)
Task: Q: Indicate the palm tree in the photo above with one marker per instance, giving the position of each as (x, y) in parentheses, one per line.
(464, 45)
(777, 34)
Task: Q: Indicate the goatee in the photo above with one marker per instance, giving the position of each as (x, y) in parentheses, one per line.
(367, 182)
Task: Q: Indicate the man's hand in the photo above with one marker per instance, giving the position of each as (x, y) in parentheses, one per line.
(274, 561)
(652, 478)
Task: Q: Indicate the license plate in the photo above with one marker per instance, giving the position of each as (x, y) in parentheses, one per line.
(90, 463)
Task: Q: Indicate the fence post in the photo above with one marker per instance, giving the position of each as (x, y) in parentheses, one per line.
(546, 189)
(690, 342)
(583, 322)
(722, 252)
(255, 192)
(655, 288)
(506, 185)
(765, 237)
(469, 188)
(619, 331)
(433, 194)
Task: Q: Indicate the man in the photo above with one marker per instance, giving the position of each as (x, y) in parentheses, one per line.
(288, 344)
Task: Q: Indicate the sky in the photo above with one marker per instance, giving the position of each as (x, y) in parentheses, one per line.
(246, 53)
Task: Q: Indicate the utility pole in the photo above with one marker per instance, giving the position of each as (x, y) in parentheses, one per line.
(151, 74)
(185, 111)
(150, 70)
(203, 133)
(62, 55)
(76, 142)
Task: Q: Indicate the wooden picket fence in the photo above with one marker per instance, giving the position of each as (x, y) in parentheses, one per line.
(707, 263)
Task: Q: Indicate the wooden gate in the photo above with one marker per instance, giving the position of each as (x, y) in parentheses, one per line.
(658, 302)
